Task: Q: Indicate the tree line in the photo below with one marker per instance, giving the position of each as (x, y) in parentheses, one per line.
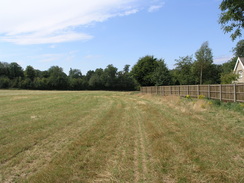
(189, 70)
(148, 71)
(13, 76)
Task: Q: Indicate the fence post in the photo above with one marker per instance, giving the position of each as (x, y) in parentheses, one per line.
(170, 89)
(187, 89)
(198, 92)
(234, 92)
(220, 92)
(209, 96)
(179, 90)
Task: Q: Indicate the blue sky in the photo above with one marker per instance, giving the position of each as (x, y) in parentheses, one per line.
(86, 35)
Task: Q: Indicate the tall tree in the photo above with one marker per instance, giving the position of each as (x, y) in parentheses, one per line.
(143, 70)
(183, 70)
(228, 66)
(228, 78)
(125, 80)
(4, 69)
(75, 73)
(30, 72)
(227, 75)
(96, 82)
(161, 74)
(232, 17)
(58, 79)
(15, 70)
(239, 49)
(126, 69)
(204, 60)
(109, 77)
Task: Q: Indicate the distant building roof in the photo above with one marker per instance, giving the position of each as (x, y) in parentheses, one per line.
(242, 60)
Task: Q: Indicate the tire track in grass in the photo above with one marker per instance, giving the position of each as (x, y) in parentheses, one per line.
(192, 150)
(119, 167)
(40, 154)
(136, 161)
(86, 155)
(143, 151)
(140, 154)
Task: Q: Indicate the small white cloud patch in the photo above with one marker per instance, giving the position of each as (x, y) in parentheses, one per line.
(222, 59)
(154, 8)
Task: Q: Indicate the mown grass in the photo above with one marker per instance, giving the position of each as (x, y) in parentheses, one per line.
(53, 136)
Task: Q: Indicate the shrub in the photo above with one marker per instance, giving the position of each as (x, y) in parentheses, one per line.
(4, 82)
(201, 97)
(239, 107)
(188, 96)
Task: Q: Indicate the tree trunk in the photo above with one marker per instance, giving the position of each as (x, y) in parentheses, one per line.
(201, 76)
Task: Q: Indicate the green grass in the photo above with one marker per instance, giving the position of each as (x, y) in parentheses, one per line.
(62, 136)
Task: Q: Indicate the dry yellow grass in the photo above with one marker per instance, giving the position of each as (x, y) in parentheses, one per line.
(51, 136)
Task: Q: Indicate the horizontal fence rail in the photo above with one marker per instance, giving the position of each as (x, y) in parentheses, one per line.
(225, 92)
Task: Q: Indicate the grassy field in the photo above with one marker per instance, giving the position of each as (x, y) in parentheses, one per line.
(61, 136)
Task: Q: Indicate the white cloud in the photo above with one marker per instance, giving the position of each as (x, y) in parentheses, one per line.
(52, 46)
(222, 59)
(156, 7)
(35, 38)
(129, 12)
(45, 58)
(56, 21)
(90, 57)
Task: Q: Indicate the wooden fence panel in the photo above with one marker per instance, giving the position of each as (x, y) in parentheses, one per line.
(166, 90)
(228, 92)
(214, 92)
(240, 93)
(203, 90)
(183, 90)
(193, 90)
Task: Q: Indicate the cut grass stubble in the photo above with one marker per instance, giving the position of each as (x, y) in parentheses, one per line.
(117, 137)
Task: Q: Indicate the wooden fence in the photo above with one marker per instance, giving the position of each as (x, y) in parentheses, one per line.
(227, 92)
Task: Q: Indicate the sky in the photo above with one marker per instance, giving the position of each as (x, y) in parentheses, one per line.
(91, 34)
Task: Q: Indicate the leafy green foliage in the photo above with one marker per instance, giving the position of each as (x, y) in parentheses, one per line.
(57, 79)
(4, 69)
(183, 70)
(30, 72)
(75, 73)
(15, 70)
(13, 76)
(232, 17)
(228, 78)
(143, 70)
(239, 49)
(228, 66)
(4, 82)
(161, 74)
(150, 71)
(231, 106)
(202, 65)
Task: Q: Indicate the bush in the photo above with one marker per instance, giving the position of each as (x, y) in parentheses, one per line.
(239, 107)
(188, 97)
(4, 82)
(201, 97)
